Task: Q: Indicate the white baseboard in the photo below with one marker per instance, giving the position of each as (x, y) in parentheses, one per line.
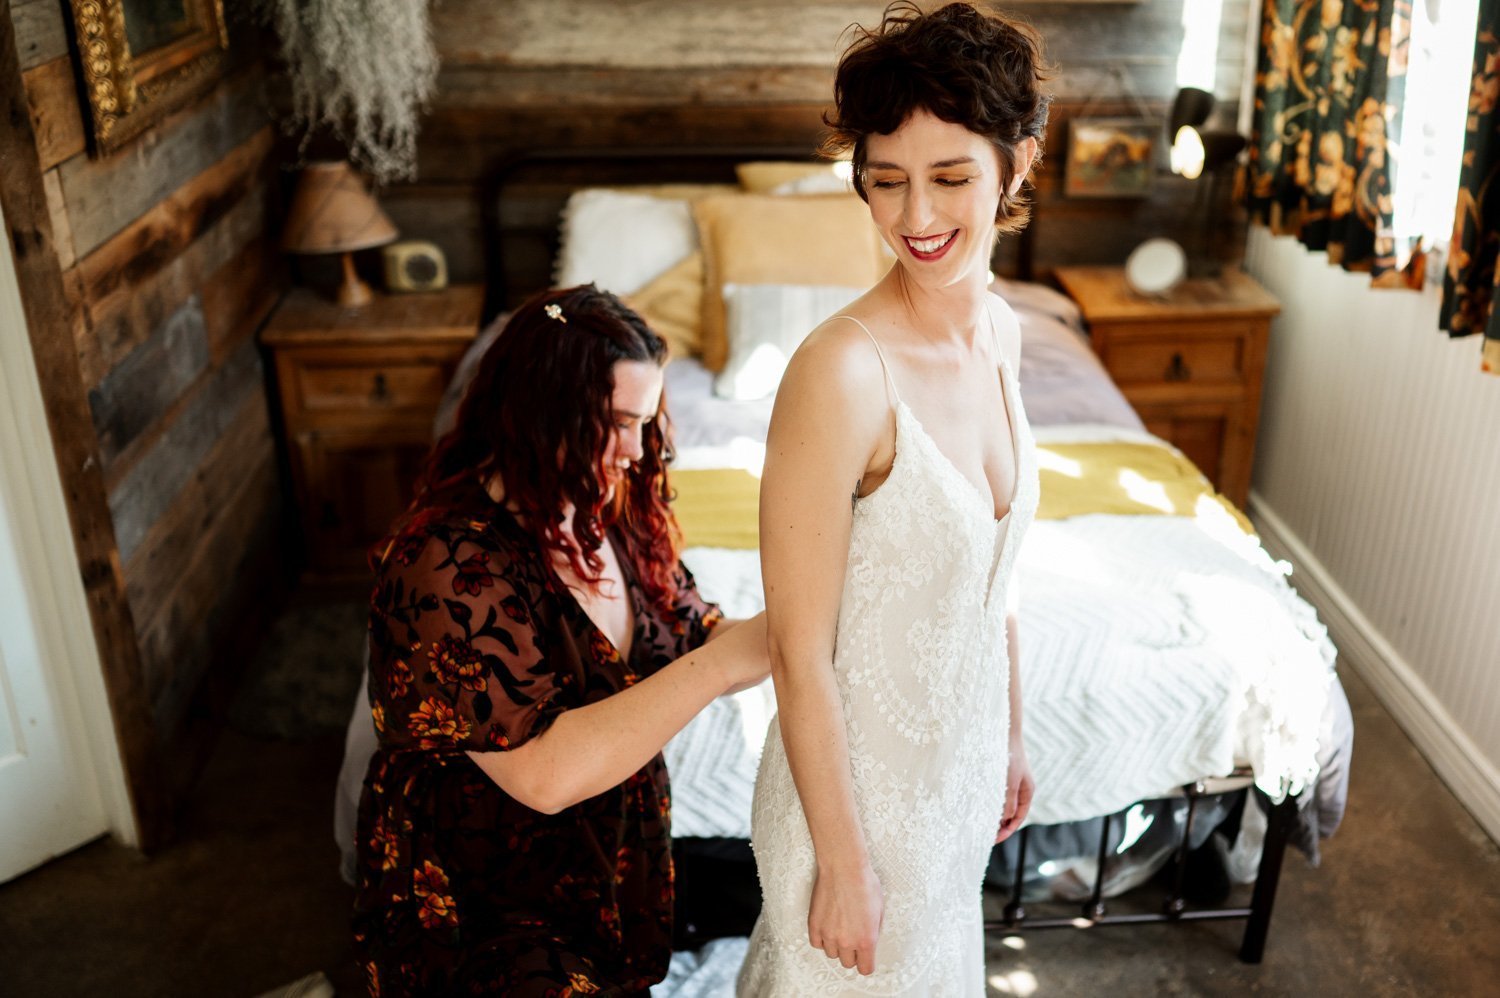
(1474, 779)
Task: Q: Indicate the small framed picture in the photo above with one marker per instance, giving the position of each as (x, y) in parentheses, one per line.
(1110, 157)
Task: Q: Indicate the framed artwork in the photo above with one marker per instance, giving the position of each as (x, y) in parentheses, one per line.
(140, 60)
(1110, 157)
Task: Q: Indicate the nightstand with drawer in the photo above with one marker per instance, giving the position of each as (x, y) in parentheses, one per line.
(359, 389)
(1191, 363)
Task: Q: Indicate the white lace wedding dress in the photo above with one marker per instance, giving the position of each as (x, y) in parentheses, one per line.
(923, 674)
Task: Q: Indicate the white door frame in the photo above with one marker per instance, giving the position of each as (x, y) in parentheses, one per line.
(48, 560)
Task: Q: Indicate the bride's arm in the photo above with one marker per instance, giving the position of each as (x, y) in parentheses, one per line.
(829, 419)
(1019, 786)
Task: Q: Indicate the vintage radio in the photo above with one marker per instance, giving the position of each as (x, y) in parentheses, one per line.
(413, 265)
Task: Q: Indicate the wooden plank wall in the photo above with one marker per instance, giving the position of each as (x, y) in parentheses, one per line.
(530, 73)
(151, 368)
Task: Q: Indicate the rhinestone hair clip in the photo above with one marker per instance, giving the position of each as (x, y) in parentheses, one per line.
(554, 311)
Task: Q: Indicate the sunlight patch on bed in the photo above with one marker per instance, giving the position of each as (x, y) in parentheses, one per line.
(742, 453)
(1145, 491)
(1048, 460)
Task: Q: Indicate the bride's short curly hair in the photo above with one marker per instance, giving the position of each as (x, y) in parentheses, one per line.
(970, 68)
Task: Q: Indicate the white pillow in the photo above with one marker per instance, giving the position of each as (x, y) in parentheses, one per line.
(765, 325)
(622, 241)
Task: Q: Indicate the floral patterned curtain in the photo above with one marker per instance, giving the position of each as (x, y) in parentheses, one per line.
(1469, 287)
(1328, 90)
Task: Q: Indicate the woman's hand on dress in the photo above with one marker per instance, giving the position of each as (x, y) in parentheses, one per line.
(1019, 787)
(845, 915)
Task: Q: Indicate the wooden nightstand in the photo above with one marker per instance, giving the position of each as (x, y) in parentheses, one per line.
(359, 389)
(1190, 363)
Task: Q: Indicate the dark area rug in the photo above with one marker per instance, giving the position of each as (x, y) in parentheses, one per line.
(306, 672)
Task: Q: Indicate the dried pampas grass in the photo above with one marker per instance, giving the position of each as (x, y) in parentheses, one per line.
(364, 68)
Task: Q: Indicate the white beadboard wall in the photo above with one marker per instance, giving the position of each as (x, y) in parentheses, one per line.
(1377, 476)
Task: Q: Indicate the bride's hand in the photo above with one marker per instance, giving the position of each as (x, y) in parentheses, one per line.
(1019, 787)
(844, 917)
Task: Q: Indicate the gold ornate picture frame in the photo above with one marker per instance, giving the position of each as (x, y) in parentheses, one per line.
(140, 60)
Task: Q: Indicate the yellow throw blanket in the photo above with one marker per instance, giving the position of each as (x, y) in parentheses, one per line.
(720, 507)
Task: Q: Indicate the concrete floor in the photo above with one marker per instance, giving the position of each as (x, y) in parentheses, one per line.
(1407, 900)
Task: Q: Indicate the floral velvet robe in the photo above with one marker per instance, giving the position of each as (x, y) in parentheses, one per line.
(462, 889)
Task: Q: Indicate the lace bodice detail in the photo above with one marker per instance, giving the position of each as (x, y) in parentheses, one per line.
(923, 675)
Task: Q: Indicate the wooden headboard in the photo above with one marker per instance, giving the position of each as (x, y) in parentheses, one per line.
(523, 197)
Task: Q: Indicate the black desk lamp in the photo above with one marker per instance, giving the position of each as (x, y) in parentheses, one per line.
(1196, 151)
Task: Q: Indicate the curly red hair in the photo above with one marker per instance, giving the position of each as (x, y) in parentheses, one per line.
(539, 414)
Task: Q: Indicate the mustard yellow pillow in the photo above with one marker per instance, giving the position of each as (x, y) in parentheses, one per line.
(672, 305)
(676, 192)
(780, 239)
(765, 177)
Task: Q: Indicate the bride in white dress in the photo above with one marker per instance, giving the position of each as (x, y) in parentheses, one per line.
(899, 481)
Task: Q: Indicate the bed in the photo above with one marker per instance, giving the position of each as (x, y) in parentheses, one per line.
(1179, 695)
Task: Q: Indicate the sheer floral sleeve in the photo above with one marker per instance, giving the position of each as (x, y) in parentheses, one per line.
(457, 662)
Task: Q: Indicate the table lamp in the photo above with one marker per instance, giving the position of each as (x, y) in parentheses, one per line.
(1196, 152)
(332, 212)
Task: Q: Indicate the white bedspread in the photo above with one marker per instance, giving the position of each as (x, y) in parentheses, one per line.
(1154, 650)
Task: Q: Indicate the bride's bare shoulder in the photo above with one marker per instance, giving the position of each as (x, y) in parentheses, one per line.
(838, 353)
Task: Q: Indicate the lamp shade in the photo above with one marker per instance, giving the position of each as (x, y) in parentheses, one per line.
(1190, 108)
(332, 212)
(1195, 151)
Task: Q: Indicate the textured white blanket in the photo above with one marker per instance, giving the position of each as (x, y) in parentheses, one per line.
(1154, 650)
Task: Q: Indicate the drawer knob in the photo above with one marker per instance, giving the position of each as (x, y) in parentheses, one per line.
(382, 391)
(1178, 370)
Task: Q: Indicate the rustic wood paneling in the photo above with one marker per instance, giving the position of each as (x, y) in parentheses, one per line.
(62, 232)
(40, 32)
(164, 557)
(208, 328)
(239, 295)
(49, 311)
(146, 383)
(528, 50)
(462, 145)
(157, 237)
(106, 195)
(179, 641)
(125, 314)
(500, 87)
(52, 93)
(144, 493)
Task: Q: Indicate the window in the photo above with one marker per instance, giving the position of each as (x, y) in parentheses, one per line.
(1433, 117)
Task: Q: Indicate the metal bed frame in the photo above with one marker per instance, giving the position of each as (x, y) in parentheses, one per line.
(663, 164)
(1175, 909)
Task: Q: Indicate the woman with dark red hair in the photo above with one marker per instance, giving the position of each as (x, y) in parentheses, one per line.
(534, 642)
